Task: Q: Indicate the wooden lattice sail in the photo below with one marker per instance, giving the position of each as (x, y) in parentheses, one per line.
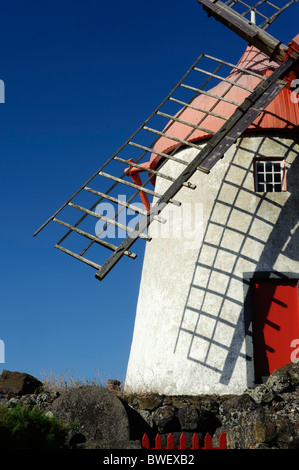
(124, 171)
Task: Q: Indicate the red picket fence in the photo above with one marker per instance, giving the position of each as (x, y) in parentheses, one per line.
(208, 443)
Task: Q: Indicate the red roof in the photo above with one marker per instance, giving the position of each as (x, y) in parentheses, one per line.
(281, 114)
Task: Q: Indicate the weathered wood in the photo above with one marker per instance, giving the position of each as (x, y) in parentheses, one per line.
(161, 154)
(266, 43)
(101, 242)
(136, 186)
(153, 172)
(168, 136)
(122, 203)
(270, 20)
(186, 123)
(222, 79)
(80, 258)
(253, 106)
(188, 105)
(245, 114)
(107, 219)
(203, 170)
(235, 67)
(128, 142)
(211, 95)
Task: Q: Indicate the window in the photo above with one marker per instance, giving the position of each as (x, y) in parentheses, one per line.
(269, 175)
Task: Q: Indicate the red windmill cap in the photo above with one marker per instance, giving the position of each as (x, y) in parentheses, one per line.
(281, 114)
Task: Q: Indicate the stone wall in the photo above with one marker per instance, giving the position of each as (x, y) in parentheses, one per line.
(263, 417)
(266, 416)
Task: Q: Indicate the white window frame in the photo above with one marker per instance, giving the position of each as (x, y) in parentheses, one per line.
(269, 175)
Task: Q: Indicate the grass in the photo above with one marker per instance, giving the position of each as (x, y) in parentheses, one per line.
(65, 381)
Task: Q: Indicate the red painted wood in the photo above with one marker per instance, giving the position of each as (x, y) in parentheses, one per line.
(134, 173)
(222, 441)
(158, 444)
(208, 442)
(275, 318)
(183, 443)
(145, 441)
(280, 114)
(137, 180)
(170, 441)
(195, 442)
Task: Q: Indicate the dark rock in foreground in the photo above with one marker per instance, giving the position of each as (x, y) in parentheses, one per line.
(263, 417)
(18, 383)
(100, 414)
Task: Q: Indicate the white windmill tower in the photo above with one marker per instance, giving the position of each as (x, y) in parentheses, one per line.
(218, 301)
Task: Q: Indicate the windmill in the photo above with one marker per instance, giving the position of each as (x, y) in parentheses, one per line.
(194, 330)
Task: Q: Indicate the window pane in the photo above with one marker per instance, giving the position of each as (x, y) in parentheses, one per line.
(259, 167)
(269, 176)
(276, 167)
(277, 188)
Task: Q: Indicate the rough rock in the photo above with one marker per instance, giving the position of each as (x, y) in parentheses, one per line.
(113, 385)
(264, 417)
(252, 428)
(262, 429)
(188, 417)
(18, 383)
(285, 379)
(262, 394)
(114, 444)
(279, 382)
(100, 415)
(231, 411)
(165, 419)
(150, 402)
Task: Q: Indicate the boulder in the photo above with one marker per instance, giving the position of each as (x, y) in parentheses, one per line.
(18, 383)
(197, 419)
(232, 411)
(293, 371)
(110, 445)
(113, 385)
(262, 394)
(165, 419)
(253, 429)
(150, 402)
(260, 428)
(98, 413)
(284, 379)
(188, 417)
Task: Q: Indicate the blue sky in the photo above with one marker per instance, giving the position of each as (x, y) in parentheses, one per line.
(80, 77)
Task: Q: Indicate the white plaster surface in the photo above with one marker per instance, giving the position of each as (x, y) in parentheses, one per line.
(189, 334)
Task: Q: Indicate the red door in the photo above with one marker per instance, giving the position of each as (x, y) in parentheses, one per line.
(275, 323)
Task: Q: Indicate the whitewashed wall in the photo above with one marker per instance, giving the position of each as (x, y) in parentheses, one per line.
(192, 333)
